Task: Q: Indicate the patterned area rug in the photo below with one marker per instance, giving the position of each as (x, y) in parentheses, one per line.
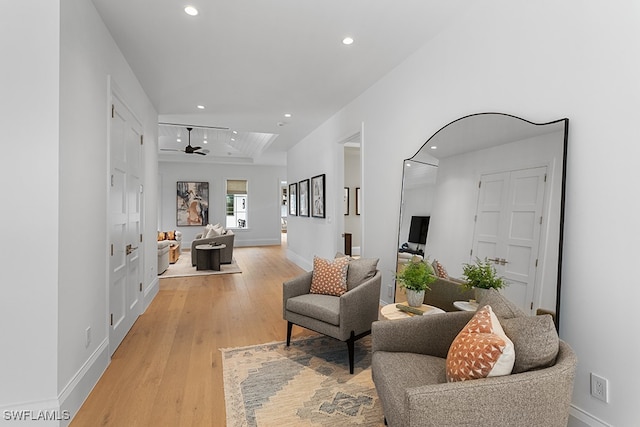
(306, 384)
(183, 268)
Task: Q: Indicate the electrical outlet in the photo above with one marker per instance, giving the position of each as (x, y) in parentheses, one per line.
(88, 336)
(599, 388)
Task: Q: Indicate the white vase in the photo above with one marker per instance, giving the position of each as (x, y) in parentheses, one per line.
(414, 298)
(479, 293)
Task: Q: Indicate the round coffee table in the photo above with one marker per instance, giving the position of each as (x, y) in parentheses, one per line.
(466, 305)
(390, 312)
(208, 257)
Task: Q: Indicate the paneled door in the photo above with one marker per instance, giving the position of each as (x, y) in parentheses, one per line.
(125, 268)
(507, 231)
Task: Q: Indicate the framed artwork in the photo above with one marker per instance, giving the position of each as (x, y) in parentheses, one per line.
(192, 203)
(317, 196)
(358, 201)
(293, 199)
(303, 197)
(345, 201)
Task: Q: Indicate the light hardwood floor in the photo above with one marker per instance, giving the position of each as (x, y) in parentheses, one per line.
(168, 369)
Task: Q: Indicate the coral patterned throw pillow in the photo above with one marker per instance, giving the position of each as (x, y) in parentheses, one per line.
(329, 276)
(480, 350)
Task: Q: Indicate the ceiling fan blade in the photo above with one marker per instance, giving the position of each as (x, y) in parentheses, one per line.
(170, 149)
(198, 152)
(196, 148)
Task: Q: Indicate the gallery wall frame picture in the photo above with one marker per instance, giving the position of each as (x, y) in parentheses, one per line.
(293, 199)
(317, 196)
(303, 197)
(345, 201)
(358, 200)
(192, 203)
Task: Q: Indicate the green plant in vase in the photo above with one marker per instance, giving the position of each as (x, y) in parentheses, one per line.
(415, 277)
(481, 275)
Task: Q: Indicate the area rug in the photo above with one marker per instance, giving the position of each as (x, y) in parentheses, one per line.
(306, 384)
(183, 268)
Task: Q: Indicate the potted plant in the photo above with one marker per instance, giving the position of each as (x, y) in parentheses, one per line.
(415, 277)
(481, 275)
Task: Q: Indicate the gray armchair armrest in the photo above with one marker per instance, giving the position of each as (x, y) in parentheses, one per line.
(431, 334)
(297, 286)
(359, 306)
(547, 391)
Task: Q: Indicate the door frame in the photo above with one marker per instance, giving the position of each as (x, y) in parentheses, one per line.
(113, 90)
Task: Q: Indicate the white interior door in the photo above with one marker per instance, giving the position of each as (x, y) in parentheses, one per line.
(508, 225)
(125, 281)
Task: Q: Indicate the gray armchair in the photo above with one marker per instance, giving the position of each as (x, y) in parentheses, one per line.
(226, 254)
(346, 318)
(408, 369)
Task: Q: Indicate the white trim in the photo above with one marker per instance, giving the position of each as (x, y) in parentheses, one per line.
(77, 390)
(257, 242)
(584, 417)
(150, 293)
(299, 261)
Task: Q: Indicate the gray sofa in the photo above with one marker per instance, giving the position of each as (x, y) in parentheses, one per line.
(163, 256)
(226, 254)
(409, 362)
(444, 292)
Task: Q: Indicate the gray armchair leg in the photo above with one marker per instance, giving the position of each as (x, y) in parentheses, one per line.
(350, 346)
(289, 327)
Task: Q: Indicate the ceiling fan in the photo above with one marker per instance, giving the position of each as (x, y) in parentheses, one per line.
(188, 149)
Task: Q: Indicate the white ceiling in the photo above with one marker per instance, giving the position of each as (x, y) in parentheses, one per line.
(251, 61)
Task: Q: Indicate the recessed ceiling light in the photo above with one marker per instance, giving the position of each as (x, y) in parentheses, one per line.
(205, 141)
(179, 140)
(233, 139)
(235, 132)
(200, 107)
(434, 147)
(287, 115)
(190, 10)
(347, 41)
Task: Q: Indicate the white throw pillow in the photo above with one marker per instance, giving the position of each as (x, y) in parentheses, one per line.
(212, 233)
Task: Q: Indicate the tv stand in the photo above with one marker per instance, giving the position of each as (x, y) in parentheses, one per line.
(412, 251)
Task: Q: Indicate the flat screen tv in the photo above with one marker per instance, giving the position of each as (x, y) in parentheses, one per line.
(418, 229)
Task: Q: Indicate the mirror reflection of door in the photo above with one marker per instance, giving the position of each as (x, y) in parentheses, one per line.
(508, 226)
(352, 231)
(512, 157)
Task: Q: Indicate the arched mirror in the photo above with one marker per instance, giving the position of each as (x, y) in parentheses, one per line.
(490, 186)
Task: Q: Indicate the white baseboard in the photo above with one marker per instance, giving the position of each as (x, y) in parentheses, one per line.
(299, 261)
(77, 390)
(255, 242)
(579, 418)
(46, 413)
(59, 412)
(150, 293)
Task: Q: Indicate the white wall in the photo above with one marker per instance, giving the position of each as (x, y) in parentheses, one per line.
(29, 119)
(352, 180)
(57, 105)
(541, 61)
(88, 57)
(320, 153)
(416, 201)
(263, 204)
